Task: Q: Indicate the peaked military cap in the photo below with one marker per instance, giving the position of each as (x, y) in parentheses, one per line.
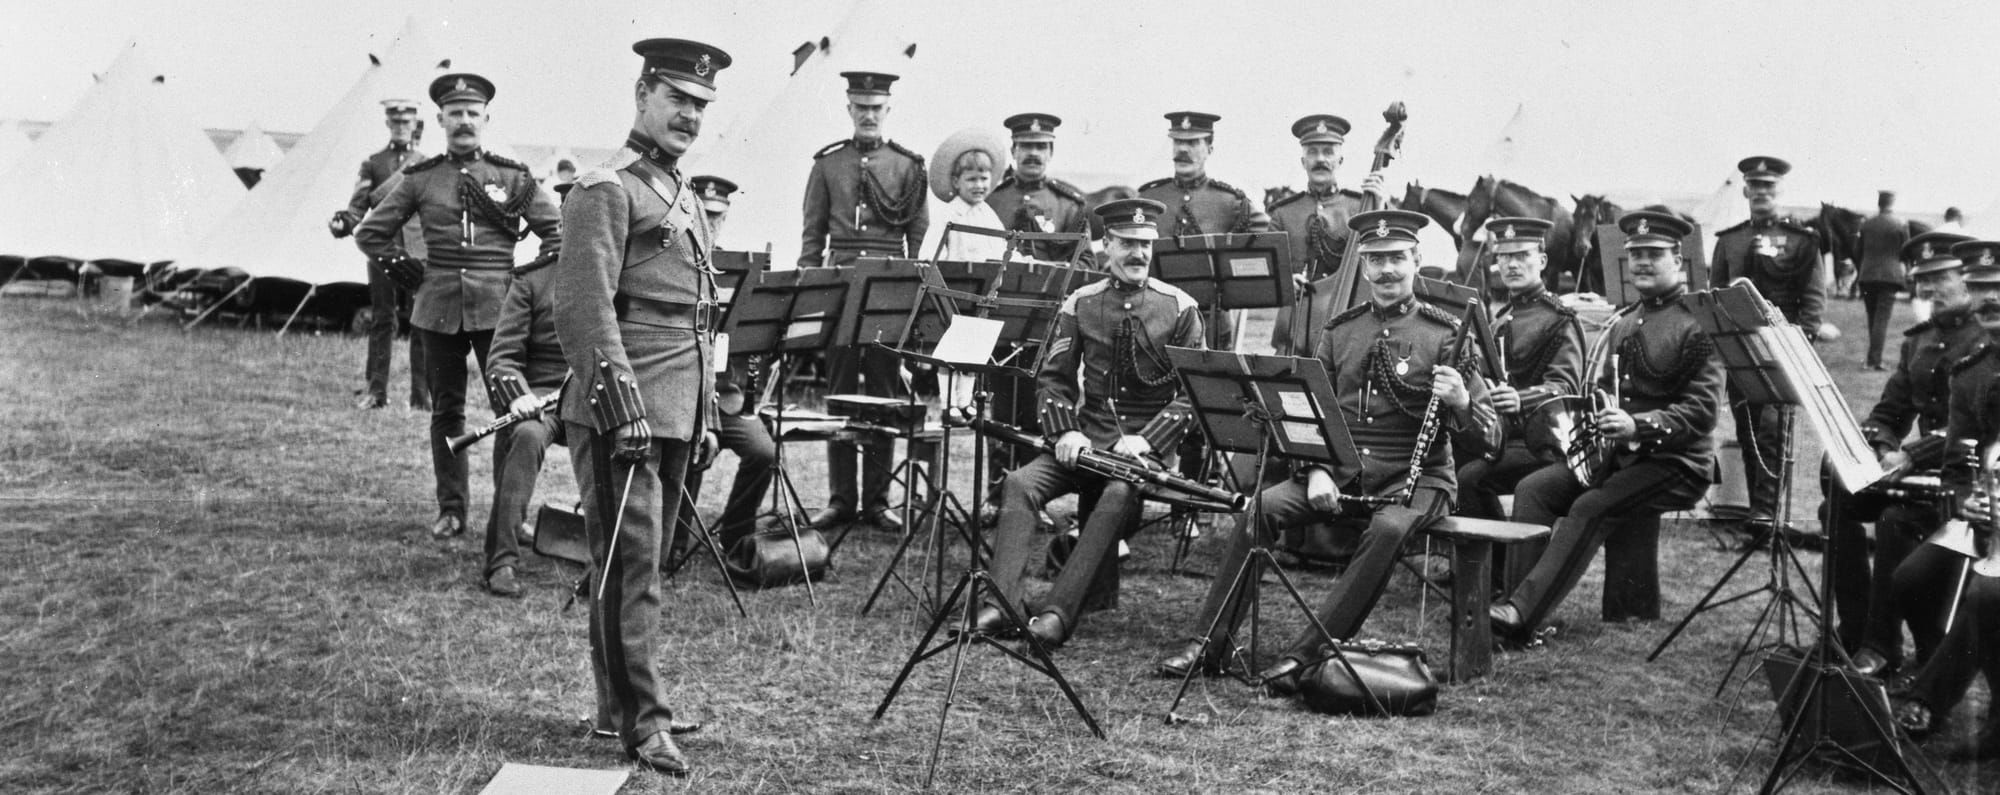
(1387, 230)
(868, 88)
(1191, 124)
(461, 87)
(1509, 235)
(1981, 258)
(713, 191)
(1133, 219)
(1650, 229)
(1033, 127)
(1931, 252)
(689, 66)
(1763, 168)
(1321, 128)
(391, 107)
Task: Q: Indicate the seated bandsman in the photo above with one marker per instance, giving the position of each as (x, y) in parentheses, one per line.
(741, 432)
(1657, 453)
(1104, 383)
(1542, 345)
(1387, 359)
(1972, 646)
(1870, 619)
(524, 365)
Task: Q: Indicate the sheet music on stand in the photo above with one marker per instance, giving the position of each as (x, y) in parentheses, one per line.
(1236, 270)
(1770, 361)
(1295, 391)
(789, 311)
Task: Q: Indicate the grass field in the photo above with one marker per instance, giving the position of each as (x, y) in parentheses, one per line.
(217, 579)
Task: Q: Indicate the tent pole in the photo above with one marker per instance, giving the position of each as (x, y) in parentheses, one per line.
(296, 310)
(217, 305)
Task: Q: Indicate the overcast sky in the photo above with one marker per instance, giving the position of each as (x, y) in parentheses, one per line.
(1619, 96)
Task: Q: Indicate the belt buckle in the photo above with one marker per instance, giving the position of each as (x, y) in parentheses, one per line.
(703, 311)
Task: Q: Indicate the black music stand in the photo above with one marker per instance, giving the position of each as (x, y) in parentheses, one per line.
(787, 314)
(1261, 405)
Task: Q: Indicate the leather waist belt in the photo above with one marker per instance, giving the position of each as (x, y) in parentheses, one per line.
(471, 266)
(850, 243)
(664, 314)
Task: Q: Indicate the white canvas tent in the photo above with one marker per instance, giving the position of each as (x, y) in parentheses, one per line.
(126, 176)
(253, 149)
(14, 143)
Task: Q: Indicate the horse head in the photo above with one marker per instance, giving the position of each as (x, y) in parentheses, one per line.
(1478, 206)
(1274, 195)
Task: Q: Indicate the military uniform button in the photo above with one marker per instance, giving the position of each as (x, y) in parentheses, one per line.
(1366, 451)
(1188, 198)
(1128, 305)
(864, 227)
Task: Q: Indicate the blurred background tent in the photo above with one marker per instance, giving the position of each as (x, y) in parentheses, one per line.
(251, 154)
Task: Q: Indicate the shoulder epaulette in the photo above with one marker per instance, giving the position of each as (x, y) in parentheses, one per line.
(1970, 359)
(1080, 293)
(1352, 312)
(1353, 194)
(905, 150)
(423, 165)
(1744, 224)
(1794, 224)
(1182, 301)
(832, 148)
(1287, 200)
(1919, 328)
(1556, 304)
(1238, 192)
(1156, 183)
(505, 162)
(1065, 190)
(1434, 312)
(1004, 182)
(596, 176)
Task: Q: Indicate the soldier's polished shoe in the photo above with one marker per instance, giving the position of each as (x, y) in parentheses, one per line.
(447, 525)
(660, 753)
(1189, 659)
(1282, 677)
(886, 520)
(1506, 621)
(501, 582)
(831, 516)
(1050, 629)
(991, 621)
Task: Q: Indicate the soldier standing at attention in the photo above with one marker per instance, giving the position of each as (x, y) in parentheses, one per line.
(1197, 204)
(1315, 221)
(386, 301)
(634, 294)
(1781, 258)
(865, 197)
(1029, 200)
(472, 205)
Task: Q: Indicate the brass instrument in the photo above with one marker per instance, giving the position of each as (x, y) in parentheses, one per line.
(1115, 466)
(457, 444)
(1589, 454)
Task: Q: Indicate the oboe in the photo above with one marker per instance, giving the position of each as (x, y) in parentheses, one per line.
(458, 444)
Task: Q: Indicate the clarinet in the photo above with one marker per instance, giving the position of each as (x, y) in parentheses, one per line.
(458, 444)
(1427, 434)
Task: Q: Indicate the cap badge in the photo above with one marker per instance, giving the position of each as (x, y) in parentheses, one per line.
(460, 86)
(1925, 253)
(1382, 228)
(1034, 125)
(1181, 123)
(701, 66)
(1322, 127)
(868, 82)
(1508, 232)
(1641, 229)
(1761, 166)
(1986, 259)
(1139, 215)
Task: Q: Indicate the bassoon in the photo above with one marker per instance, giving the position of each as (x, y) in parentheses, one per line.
(1117, 466)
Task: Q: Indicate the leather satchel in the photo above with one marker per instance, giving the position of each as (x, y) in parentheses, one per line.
(769, 558)
(1397, 675)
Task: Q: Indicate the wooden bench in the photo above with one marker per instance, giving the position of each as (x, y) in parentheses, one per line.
(1472, 542)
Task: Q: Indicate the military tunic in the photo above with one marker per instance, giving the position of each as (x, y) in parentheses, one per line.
(526, 358)
(1781, 257)
(387, 302)
(1670, 381)
(1544, 357)
(864, 200)
(1380, 359)
(633, 293)
(1315, 227)
(1045, 205)
(1104, 372)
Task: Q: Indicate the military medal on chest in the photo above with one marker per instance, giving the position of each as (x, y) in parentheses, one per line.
(496, 192)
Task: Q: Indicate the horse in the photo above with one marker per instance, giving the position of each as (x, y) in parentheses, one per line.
(1492, 197)
(1838, 232)
(1443, 206)
(1591, 210)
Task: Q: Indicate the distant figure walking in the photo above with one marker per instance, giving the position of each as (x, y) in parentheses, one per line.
(1881, 271)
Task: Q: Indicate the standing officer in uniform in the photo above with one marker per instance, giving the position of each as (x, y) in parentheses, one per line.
(525, 363)
(1387, 358)
(1880, 274)
(634, 294)
(1669, 388)
(866, 197)
(386, 301)
(472, 204)
(1029, 200)
(1973, 644)
(1197, 204)
(1916, 395)
(1127, 400)
(741, 432)
(1542, 343)
(1315, 221)
(1781, 257)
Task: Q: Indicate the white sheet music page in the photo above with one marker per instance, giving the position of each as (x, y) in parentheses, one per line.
(968, 340)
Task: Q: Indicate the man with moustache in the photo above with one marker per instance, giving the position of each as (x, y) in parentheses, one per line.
(1780, 256)
(865, 197)
(1916, 396)
(1973, 644)
(634, 301)
(1104, 383)
(386, 301)
(1029, 200)
(1388, 357)
(1315, 220)
(1542, 343)
(1196, 203)
(472, 205)
(1669, 386)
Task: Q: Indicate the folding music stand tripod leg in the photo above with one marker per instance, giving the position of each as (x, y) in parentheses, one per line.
(708, 543)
